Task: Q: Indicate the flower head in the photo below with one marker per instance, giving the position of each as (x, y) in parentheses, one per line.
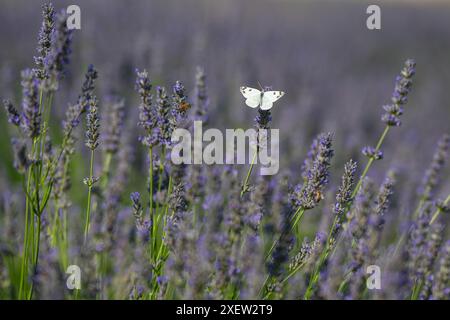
(399, 97)
(93, 125)
(45, 40)
(12, 113)
(30, 104)
(316, 174)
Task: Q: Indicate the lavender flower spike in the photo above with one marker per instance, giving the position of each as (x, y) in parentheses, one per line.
(87, 88)
(93, 125)
(45, 41)
(403, 85)
(432, 176)
(30, 104)
(372, 153)
(343, 198)
(309, 194)
(12, 113)
(147, 113)
(441, 287)
(58, 57)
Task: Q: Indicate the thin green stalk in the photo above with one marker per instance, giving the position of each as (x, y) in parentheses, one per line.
(365, 171)
(47, 112)
(369, 163)
(439, 210)
(36, 256)
(294, 221)
(296, 218)
(245, 183)
(28, 221)
(106, 167)
(150, 156)
(323, 256)
(88, 208)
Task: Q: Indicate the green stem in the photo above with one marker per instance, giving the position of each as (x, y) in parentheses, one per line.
(106, 167)
(88, 209)
(28, 220)
(294, 221)
(439, 210)
(245, 184)
(369, 163)
(323, 257)
(152, 226)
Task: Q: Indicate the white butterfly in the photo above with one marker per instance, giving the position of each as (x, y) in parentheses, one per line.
(264, 99)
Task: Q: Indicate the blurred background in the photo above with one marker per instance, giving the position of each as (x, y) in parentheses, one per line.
(336, 72)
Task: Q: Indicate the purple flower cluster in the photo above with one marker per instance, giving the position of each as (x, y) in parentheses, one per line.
(31, 116)
(402, 88)
(315, 173)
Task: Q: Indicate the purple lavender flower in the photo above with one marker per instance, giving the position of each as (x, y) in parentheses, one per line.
(372, 153)
(343, 197)
(21, 161)
(30, 104)
(44, 41)
(263, 119)
(137, 205)
(58, 57)
(93, 125)
(308, 195)
(72, 120)
(403, 85)
(87, 88)
(423, 246)
(441, 287)
(165, 127)
(180, 105)
(433, 174)
(12, 113)
(147, 112)
(201, 97)
(115, 119)
(383, 200)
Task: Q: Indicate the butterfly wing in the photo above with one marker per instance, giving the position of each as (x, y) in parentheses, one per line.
(252, 95)
(269, 98)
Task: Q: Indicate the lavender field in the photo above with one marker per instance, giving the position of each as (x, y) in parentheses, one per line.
(360, 206)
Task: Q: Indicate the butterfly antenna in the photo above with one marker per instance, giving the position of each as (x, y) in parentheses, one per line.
(262, 89)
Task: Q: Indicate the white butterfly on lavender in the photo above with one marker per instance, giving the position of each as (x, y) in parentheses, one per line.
(260, 98)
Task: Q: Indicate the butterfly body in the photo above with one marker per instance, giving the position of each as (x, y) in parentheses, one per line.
(264, 99)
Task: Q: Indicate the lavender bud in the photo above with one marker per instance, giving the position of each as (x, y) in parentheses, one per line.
(383, 199)
(402, 88)
(93, 125)
(30, 104)
(180, 104)
(12, 113)
(343, 197)
(115, 118)
(44, 40)
(263, 119)
(58, 57)
(308, 195)
(433, 174)
(21, 161)
(372, 153)
(137, 208)
(72, 120)
(163, 116)
(87, 88)
(147, 113)
(201, 95)
(441, 288)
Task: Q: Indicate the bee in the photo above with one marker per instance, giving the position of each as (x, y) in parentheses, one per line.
(318, 196)
(184, 106)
